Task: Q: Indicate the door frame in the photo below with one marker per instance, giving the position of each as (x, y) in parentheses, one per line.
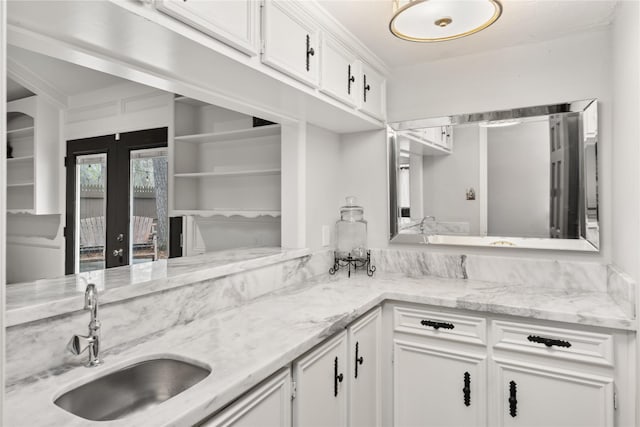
(118, 149)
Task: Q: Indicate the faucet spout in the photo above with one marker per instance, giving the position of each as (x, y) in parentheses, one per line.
(79, 343)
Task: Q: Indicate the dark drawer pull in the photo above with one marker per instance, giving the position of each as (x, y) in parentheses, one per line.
(466, 391)
(437, 325)
(549, 342)
(513, 402)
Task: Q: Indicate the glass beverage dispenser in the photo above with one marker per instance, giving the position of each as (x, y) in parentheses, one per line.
(351, 231)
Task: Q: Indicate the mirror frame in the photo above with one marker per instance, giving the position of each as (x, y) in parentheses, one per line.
(581, 244)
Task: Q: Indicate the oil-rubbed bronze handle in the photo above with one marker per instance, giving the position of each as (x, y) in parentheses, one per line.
(513, 402)
(466, 390)
(310, 51)
(437, 325)
(367, 87)
(337, 378)
(359, 360)
(549, 342)
(350, 79)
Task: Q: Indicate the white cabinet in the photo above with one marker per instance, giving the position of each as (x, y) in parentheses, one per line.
(365, 371)
(373, 92)
(534, 374)
(268, 405)
(339, 382)
(321, 385)
(438, 387)
(233, 22)
(32, 170)
(340, 77)
(538, 395)
(290, 41)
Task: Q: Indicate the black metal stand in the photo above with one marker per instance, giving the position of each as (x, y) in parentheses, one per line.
(349, 262)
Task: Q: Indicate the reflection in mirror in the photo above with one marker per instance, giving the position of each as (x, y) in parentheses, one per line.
(211, 182)
(519, 178)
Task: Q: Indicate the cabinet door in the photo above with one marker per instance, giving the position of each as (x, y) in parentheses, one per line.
(269, 405)
(341, 76)
(373, 92)
(233, 22)
(364, 371)
(290, 41)
(321, 385)
(436, 387)
(537, 396)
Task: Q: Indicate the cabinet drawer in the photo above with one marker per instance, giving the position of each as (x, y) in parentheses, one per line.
(553, 342)
(436, 324)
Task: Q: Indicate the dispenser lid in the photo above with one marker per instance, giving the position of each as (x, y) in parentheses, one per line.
(351, 205)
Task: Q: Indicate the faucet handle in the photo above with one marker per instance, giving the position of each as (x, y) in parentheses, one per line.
(76, 346)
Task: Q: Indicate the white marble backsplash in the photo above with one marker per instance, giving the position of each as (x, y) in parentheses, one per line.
(622, 289)
(525, 271)
(138, 318)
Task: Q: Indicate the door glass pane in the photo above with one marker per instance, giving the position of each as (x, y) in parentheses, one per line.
(149, 219)
(91, 203)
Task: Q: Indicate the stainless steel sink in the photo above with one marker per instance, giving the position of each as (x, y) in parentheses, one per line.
(131, 389)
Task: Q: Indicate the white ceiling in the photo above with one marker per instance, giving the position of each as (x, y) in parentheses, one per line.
(522, 22)
(68, 78)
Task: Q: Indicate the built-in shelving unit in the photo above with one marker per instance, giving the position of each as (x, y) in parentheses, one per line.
(32, 135)
(226, 172)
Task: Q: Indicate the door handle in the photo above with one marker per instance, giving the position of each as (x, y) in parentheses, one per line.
(513, 402)
(337, 378)
(359, 360)
(351, 79)
(466, 390)
(310, 51)
(118, 252)
(367, 87)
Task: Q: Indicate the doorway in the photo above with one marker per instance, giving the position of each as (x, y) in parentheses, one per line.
(117, 200)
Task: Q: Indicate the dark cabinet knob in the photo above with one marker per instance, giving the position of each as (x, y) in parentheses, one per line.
(513, 402)
(359, 359)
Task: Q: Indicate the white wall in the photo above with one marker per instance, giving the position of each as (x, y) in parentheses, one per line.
(519, 180)
(626, 133)
(572, 68)
(447, 178)
(323, 184)
(364, 175)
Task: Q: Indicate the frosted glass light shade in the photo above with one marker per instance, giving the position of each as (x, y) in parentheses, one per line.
(440, 20)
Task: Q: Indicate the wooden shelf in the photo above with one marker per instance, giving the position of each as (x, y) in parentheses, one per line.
(21, 132)
(234, 135)
(226, 213)
(228, 173)
(19, 159)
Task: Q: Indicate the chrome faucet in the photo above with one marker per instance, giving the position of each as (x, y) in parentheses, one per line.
(428, 217)
(79, 343)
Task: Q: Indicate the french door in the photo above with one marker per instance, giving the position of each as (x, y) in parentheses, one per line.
(116, 202)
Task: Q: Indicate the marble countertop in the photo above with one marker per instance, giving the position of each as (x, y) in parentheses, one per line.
(246, 344)
(29, 301)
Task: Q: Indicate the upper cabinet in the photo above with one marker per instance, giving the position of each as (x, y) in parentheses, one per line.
(341, 76)
(373, 92)
(32, 166)
(290, 41)
(233, 22)
(298, 39)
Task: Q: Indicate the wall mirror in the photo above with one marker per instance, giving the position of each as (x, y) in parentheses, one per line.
(521, 178)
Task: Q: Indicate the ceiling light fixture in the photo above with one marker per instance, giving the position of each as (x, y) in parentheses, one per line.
(440, 20)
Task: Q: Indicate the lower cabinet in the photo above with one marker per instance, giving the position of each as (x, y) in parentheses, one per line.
(338, 383)
(321, 385)
(446, 373)
(534, 395)
(447, 368)
(268, 405)
(436, 387)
